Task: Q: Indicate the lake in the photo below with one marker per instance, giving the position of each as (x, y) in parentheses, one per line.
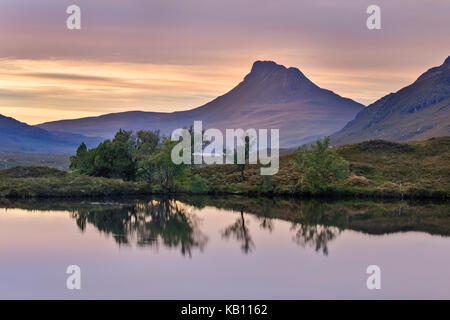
(224, 248)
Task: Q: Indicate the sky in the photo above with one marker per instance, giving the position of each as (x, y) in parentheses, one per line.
(171, 55)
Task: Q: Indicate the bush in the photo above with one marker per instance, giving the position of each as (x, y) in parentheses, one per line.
(319, 166)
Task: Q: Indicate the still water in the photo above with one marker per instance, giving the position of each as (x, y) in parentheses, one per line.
(224, 248)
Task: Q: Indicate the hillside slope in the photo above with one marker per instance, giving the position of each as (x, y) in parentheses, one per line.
(417, 112)
(17, 136)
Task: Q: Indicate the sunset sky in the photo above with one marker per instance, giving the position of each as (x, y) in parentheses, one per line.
(169, 55)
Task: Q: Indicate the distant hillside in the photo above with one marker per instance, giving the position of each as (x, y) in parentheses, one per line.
(17, 136)
(416, 112)
(57, 161)
(270, 96)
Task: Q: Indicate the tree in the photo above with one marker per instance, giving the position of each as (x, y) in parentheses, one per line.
(111, 159)
(80, 162)
(167, 174)
(123, 164)
(247, 145)
(130, 156)
(147, 141)
(146, 145)
(319, 166)
(199, 137)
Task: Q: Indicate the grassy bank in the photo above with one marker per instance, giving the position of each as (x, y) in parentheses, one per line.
(377, 169)
(27, 182)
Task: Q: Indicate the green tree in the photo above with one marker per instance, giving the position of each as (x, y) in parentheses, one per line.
(168, 175)
(101, 160)
(123, 164)
(111, 159)
(147, 143)
(320, 166)
(80, 161)
(135, 156)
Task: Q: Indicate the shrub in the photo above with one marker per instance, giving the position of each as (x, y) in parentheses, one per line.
(320, 166)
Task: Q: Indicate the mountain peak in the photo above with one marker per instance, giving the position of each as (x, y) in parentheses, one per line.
(288, 77)
(266, 67)
(447, 61)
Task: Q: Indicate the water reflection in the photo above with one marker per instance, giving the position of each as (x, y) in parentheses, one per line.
(149, 223)
(175, 224)
(315, 236)
(239, 231)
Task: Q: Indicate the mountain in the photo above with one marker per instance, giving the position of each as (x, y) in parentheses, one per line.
(270, 96)
(17, 136)
(416, 112)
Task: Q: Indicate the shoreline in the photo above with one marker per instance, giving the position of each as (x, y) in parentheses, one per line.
(329, 194)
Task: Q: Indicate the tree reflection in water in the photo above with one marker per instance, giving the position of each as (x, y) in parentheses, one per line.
(239, 230)
(312, 226)
(316, 236)
(149, 223)
(309, 223)
(166, 222)
(314, 223)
